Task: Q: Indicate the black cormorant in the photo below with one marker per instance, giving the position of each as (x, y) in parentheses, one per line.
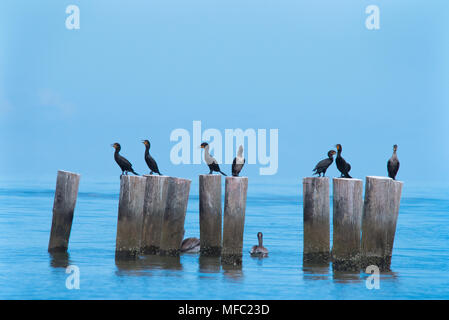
(211, 162)
(393, 164)
(238, 162)
(190, 245)
(260, 250)
(124, 164)
(342, 165)
(149, 159)
(322, 166)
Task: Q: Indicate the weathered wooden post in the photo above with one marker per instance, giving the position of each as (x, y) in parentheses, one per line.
(234, 220)
(210, 214)
(130, 217)
(174, 216)
(154, 206)
(347, 223)
(380, 213)
(66, 194)
(316, 219)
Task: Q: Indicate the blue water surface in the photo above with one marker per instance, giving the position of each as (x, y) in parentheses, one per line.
(420, 264)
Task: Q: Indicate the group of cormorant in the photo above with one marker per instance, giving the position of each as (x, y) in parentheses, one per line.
(344, 167)
(192, 245)
(237, 163)
(126, 166)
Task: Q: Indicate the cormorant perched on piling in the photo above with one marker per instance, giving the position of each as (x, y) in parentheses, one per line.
(238, 162)
(149, 159)
(124, 164)
(211, 162)
(342, 165)
(260, 250)
(322, 166)
(393, 164)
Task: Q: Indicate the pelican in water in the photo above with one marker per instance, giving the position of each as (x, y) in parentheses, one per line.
(190, 245)
(260, 250)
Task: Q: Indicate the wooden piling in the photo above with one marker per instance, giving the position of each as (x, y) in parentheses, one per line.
(154, 206)
(130, 217)
(64, 203)
(316, 219)
(210, 214)
(174, 216)
(234, 219)
(347, 223)
(380, 213)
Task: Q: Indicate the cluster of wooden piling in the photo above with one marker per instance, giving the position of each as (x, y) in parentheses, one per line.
(363, 230)
(215, 241)
(151, 215)
(152, 211)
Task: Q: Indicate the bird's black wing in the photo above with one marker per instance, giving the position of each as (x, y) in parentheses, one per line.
(214, 166)
(124, 163)
(323, 164)
(151, 164)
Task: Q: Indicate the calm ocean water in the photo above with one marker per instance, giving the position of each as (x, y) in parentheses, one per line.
(420, 264)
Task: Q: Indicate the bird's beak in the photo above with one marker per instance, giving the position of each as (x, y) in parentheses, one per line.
(112, 145)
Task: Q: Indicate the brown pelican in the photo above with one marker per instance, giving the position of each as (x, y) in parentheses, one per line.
(190, 245)
(260, 250)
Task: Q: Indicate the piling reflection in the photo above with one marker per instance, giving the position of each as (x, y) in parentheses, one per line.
(315, 271)
(346, 276)
(147, 263)
(384, 275)
(233, 271)
(59, 259)
(209, 264)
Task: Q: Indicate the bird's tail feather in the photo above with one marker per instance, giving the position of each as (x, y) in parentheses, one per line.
(134, 172)
(223, 173)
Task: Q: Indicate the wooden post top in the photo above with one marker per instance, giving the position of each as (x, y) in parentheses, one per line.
(374, 178)
(150, 176)
(236, 178)
(68, 172)
(308, 179)
(346, 179)
(130, 177)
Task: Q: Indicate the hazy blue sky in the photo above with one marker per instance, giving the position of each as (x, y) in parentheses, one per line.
(140, 69)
